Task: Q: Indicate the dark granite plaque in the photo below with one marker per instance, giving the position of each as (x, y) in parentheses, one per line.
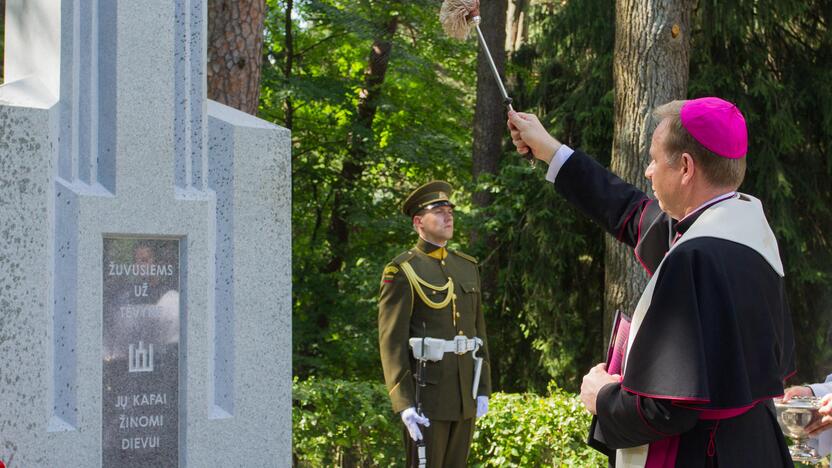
(140, 394)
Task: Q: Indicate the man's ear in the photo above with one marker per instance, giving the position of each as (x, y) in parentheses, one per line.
(688, 167)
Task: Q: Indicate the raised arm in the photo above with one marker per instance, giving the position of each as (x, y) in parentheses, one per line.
(615, 205)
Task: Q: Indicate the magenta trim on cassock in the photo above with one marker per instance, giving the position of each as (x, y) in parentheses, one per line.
(638, 238)
(678, 235)
(725, 413)
(711, 414)
(629, 216)
(711, 450)
(662, 453)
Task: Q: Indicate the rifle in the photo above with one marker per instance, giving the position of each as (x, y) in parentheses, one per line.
(419, 455)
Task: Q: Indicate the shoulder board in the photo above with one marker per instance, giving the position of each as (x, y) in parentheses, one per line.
(465, 256)
(404, 256)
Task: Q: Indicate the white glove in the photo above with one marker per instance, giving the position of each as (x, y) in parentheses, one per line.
(412, 420)
(482, 406)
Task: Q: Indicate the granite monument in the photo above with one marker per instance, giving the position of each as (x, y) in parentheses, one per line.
(145, 247)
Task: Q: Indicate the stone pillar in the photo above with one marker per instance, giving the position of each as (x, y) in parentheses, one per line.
(109, 149)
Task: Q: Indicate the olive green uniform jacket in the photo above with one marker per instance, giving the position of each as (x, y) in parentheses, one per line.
(401, 315)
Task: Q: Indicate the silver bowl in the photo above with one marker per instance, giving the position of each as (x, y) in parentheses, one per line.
(794, 417)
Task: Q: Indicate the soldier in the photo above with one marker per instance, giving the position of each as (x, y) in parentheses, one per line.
(432, 336)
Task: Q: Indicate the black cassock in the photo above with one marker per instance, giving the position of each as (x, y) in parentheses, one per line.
(717, 336)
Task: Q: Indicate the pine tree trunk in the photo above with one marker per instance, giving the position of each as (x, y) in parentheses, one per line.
(489, 132)
(235, 52)
(490, 112)
(650, 67)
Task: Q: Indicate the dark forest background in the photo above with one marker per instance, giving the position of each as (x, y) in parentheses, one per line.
(379, 101)
(368, 127)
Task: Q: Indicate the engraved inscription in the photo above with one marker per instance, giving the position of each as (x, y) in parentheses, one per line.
(140, 418)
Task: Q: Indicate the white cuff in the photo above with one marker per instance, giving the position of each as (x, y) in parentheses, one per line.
(821, 389)
(563, 153)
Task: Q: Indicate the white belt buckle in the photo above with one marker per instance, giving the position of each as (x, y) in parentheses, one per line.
(460, 343)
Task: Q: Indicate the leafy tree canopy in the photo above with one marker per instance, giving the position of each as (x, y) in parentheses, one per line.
(770, 57)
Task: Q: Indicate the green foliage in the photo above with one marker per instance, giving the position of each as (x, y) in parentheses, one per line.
(2, 40)
(530, 430)
(335, 422)
(774, 59)
(545, 316)
(545, 319)
(418, 134)
(540, 320)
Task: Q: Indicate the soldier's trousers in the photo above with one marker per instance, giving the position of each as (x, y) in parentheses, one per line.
(447, 443)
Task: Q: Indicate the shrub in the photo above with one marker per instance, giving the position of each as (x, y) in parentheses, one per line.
(342, 423)
(524, 429)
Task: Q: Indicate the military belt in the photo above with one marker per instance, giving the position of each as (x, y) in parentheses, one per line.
(435, 348)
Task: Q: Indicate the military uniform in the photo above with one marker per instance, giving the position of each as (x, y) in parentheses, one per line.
(430, 291)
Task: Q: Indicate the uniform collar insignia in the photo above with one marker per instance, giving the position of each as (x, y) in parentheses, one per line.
(432, 250)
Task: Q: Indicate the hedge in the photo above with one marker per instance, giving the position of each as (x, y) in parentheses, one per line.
(343, 423)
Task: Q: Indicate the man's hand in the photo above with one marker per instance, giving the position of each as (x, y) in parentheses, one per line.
(826, 417)
(799, 391)
(528, 134)
(412, 420)
(482, 406)
(592, 383)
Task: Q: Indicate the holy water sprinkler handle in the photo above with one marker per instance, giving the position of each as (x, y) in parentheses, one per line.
(506, 98)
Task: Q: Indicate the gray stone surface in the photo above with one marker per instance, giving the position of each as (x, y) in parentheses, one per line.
(25, 204)
(124, 143)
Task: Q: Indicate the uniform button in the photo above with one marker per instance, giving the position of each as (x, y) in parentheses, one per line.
(457, 315)
(443, 262)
